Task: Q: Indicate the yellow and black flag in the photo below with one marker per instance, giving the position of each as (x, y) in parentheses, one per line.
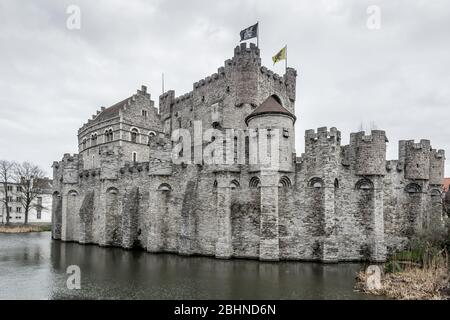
(281, 55)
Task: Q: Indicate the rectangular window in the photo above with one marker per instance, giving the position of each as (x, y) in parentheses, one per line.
(18, 209)
(18, 199)
(38, 215)
(39, 200)
(19, 188)
(9, 209)
(285, 133)
(9, 188)
(10, 199)
(144, 113)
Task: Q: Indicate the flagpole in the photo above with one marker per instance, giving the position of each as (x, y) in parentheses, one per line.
(257, 34)
(285, 71)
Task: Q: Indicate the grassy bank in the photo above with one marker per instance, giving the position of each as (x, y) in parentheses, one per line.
(421, 272)
(20, 228)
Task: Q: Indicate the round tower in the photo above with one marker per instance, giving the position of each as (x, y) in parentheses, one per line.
(271, 131)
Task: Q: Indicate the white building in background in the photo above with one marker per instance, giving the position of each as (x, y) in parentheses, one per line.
(41, 207)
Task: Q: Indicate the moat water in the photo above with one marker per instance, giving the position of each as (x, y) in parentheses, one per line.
(33, 266)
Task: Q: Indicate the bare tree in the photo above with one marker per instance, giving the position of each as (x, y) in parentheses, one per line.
(6, 176)
(30, 180)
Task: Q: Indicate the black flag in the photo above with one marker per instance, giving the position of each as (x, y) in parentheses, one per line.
(250, 32)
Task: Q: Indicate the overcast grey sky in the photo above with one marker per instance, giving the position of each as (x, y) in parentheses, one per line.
(53, 79)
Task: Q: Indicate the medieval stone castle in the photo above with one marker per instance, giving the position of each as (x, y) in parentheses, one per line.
(332, 203)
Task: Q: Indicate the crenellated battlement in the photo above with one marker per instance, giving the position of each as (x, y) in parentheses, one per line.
(70, 158)
(209, 79)
(438, 154)
(412, 144)
(243, 49)
(374, 136)
(332, 203)
(322, 134)
(414, 157)
(368, 152)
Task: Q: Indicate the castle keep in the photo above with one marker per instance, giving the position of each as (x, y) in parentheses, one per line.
(331, 203)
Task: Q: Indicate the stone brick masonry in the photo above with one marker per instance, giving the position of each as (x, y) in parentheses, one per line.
(332, 203)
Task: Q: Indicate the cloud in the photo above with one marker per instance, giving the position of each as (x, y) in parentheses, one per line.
(53, 78)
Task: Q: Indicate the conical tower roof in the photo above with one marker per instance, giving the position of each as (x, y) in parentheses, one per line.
(270, 106)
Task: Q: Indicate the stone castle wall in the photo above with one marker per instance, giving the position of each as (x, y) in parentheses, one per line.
(332, 203)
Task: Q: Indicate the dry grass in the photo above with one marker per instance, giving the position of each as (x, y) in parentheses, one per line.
(414, 282)
(23, 228)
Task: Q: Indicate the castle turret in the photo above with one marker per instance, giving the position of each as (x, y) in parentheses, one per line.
(166, 102)
(70, 166)
(322, 159)
(437, 163)
(322, 152)
(415, 158)
(290, 79)
(244, 73)
(271, 129)
(274, 128)
(369, 152)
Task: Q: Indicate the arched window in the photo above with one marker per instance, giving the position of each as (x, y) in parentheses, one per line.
(134, 157)
(72, 193)
(413, 188)
(316, 183)
(234, 184)
(215, 184)
(164, 187)
(254, 183)
(134, 135)
(435, 193)
(150, 135)
(109, 135)
(94, 139)
(284, 182)
(112, 190)
(84, 143)
(364, 184)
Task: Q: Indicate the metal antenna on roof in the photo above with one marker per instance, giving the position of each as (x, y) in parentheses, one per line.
(162, 82)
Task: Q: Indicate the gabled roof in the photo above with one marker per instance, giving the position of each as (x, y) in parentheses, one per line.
(111, 112)
(270, 106)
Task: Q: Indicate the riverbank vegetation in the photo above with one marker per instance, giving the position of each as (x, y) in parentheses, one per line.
(420, 272)
(20, 228)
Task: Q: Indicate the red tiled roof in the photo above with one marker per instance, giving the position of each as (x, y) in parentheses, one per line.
(446, 184)
(270, 106)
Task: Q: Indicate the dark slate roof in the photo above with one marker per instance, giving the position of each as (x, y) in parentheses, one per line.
(111, 112)
(270, 106)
